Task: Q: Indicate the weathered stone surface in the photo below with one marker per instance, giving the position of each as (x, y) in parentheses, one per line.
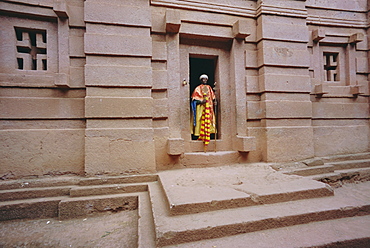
(159, 79)
(173, 21)
(285, 82)
(76, 43)
(245, 144)
(233, 187)
(175, 146)
(118, 44)
(277, 53)
(331, 110)
(107, 189)
(103, 75)
(133, 62)
(44, 151)
(32, 209)
(302, 147)
(212, 31)
(160, 108)
(313, 162)
(117, 13)
(118, 92)
(18, 194)
(210, 158)
(34, 108)
(159, 51)
(240, 29)
(82, 207)
(117, 107)
(118, 123)
(282, 28)
(103, 180)
(117, 151)
(287, 109)
(329, 140)
(173, 229)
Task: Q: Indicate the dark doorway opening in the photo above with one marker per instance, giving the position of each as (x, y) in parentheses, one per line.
(199, 66)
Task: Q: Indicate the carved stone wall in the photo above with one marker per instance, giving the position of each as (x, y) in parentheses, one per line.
(42, 89)
(102, 87)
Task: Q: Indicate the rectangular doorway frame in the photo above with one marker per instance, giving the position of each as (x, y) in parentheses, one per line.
(222, 77)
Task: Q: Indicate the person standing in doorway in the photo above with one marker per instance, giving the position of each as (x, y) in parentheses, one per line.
(202, 103)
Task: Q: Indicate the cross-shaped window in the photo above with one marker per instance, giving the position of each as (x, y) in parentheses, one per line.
(331, 66)
(31, 49)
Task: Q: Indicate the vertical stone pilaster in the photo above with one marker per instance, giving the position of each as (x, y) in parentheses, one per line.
(119, 135)
(175, 116)
(283, 63)
(237, 76)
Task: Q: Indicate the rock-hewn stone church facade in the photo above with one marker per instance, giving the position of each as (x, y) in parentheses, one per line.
(103, 87)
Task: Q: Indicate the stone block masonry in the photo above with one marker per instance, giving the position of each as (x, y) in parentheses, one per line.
(116, 62)
(103, 87)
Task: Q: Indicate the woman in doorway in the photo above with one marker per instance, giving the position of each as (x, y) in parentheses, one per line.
(204, 121)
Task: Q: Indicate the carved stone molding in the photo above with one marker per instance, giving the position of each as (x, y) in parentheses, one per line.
(317, 35)
(245, 143)
(173, 21)
(240, 29)
(60, 8)
(207, 6)
(281, 11)
(175, 146)
(355, 38)
(323, 21)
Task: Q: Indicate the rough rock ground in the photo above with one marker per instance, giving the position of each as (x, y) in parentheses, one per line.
(120, 230)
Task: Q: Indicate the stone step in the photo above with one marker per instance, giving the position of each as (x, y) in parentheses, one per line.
(313, 170)
(209, 158)
(32, 199)
(39, 182)
(72, 191)
(207, 189)
(146, 234)
(118, 179)
(30, 208)
(344, 176)
(74, 180)
(346, 157)
(65, 207)
(346, 232)
(90, 205)
(340, 165)
(171, 230)
(28, 193)
(105, 189)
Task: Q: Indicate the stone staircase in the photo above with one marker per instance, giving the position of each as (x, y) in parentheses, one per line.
(334, 170)
(242, 205)
(74, 197)
(245, 202)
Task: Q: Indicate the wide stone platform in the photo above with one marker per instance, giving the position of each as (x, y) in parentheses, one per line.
(205, 189)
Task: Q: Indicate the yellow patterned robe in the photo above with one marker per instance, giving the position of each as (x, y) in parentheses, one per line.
(200, 93)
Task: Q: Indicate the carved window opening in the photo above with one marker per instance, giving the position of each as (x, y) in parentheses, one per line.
(31, 49)
(331, 66)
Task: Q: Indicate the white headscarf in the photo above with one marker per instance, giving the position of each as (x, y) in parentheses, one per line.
(203, 76)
